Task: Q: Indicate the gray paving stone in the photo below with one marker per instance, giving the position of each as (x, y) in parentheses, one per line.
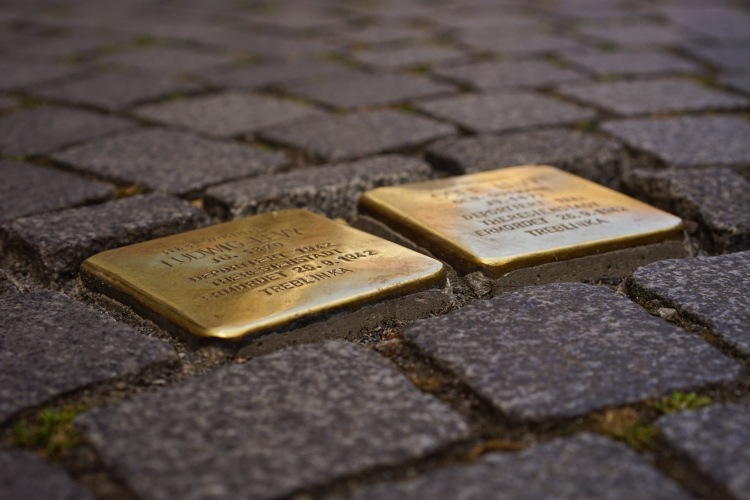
(274, 47)
(724, 58)
(74, 44)
(365, 89)
(591, 156)
(227, 114)
(512, 44)
(113, 91)
(688, 141)
(170, 161)
(566, 349)
(498, 112)
(19, 74)
(28, 189)
(712, 21)
(632, 63)
(295, 418)
(409, 56)
(386, 33)
(264, 75)
(508, 74)
(636, 35)
(717, 440)
(716, 198)
(654, 96)
(584, 466)
(714, 291)
(43, 130)
(351, 136)
(170, 60)
(23, 476)
(53, 245)
(739, 82)
(53, 345)
(333, 190)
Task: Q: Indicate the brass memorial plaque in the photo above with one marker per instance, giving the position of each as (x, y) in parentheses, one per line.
(512, 218)
(257, 273)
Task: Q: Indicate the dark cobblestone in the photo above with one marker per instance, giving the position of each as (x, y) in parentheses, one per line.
(28, 189)
(587, 155)
(227, 114)
(640, 34)
(505, 111)
(53, 245)
(716, 198)
(291, 419)
(351, 136)
(725, 58)
(688, 141)
(399, 57)
(170, 161)
(170, 60)
(739, 82)
(43, 130)
(641, 97)
(23, 476)
(584, 466)
(333, 190)
(364, 89)
(18, 74)
(632, 63)
(53, 345)
(713, 21)
(714, 291)
(508, 74)
(566, 349)
(256, 76)
(514, 45)
(717, 440)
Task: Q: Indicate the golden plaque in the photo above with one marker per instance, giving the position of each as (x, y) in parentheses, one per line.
(507, 219)
(258, 273)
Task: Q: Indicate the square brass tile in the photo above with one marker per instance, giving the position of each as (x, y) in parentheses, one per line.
(257, 273)
(515, 217)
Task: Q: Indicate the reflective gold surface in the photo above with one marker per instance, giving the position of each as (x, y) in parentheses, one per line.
(515, 217)
(253, 274)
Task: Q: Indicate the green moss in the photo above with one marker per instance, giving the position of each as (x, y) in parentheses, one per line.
(679, 401)
(50, 432)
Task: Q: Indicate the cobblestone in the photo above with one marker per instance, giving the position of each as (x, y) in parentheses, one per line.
(586, 465)
(640, 34)
(18, 74)
(632, 63)
(43, 130)
(256, 76)
(27, 189)
(399, 57)
(170, 161)
(287, 420)
(53, 245)
(714, 291)
(170, 60)
(739, 82)
(352, 136)
(6, 285)
(505, 111)
(566, 349)
(332, 190)
(725, 58)
(53, 345)
(508, 74)
(688, 141)
(513, 45)
(23, 476)
(717, 440)
(712, 21)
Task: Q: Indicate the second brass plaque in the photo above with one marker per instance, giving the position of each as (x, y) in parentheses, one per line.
(515, 217)
(257, 273)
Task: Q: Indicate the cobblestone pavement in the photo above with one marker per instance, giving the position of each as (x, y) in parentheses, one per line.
(122, 121)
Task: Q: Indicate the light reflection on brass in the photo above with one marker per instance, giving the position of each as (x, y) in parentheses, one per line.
(257, 273)
(515, 217)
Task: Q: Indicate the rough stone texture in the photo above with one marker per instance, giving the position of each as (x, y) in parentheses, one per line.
(351, 136)
(584, 466)
(265, 75)
(28, 189)
(508, 74)
(170, 161)
(739, 82)
(170, 60)
(640, 97)
(18, 74)
(23, 476)
(410, 56)
(295, 418)
(688, 141)
(512, 44)
(591, 156)
(55, 244)
(714, 291)
(716, 198)
(6, 285)
(566, 349)
(42, 130)
(633, 35)
(333, 190)
(52, 345)
(713, 21)
(114, 91)
(717, 440)
(227, 114)
(505, 111)
(725, 58)
(632, 63)
(362, 89)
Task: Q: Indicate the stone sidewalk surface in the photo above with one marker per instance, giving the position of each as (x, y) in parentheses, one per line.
(121, 122)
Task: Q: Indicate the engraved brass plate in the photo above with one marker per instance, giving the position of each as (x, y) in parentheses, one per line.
(511, 218)
(258, 273)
